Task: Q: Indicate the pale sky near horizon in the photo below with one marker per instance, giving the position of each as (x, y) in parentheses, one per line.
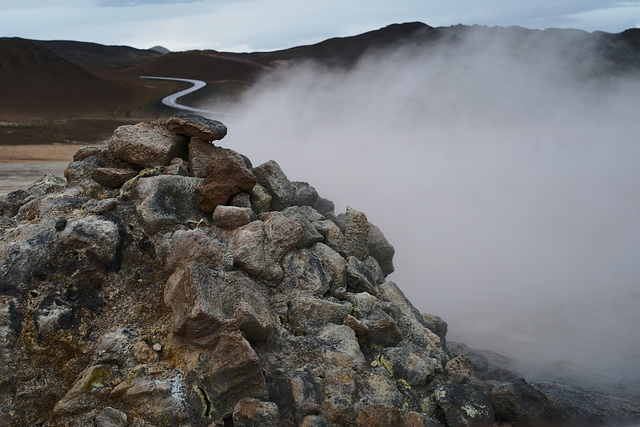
(263, 25)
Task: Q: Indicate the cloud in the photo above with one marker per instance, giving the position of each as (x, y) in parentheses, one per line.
(126, 3)
(505, 179)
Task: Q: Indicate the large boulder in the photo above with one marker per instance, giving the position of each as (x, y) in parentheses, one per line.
(147, 144)
(207, 303)
(165, 202)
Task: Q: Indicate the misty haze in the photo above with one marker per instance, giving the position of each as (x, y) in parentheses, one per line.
(505, 177)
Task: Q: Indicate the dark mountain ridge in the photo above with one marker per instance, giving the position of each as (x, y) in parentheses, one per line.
(58, 78)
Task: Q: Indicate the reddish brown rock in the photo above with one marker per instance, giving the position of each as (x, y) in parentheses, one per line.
(378, 415)
(252, 412)
(229, 373)
(201, 153)
(460, 369)
(225, 178)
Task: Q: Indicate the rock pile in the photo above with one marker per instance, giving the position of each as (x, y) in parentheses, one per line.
(167, 281)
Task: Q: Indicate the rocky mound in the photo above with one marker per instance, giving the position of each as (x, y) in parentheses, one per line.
(167, 281)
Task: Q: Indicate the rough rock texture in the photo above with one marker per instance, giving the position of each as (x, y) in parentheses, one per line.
(226, 177)
(127, 304)
(197, 127)
(146, 144)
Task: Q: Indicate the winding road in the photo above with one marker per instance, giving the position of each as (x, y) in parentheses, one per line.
(172, 100)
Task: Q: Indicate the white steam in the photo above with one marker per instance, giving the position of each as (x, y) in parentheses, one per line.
(506, 181)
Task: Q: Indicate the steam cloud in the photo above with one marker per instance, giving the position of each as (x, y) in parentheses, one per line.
(506, 180)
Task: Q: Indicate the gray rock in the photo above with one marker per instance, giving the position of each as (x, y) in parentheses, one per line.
(80, 172)
(364, 276)
(340, 347)
(231, 217)
(310, 315)
(241, 200)
(208, 303)
(177, 166)
(276, 183)
(10, 203)
(333, 237)
(260, 199)
(10, 326)
(93, 382)
(332, 263)
(517, 401)
(357, 234)
(479, 362)
(47, 184)
(324, 206)
(53, 316)
(197, 246)
(114, 347)
(305, 273)
(158, 397)
(100, 207)
(305, 217)
(227, 373)
(571, 401)
(98, 239)
(303, 194)
(410, 321)
(465, 404)
(111, 417)
(381, 249)
(112, 177)
(147, 144)
(197, 127)
(437, 325)
(259, 246)
(165, 202)
(382, 330)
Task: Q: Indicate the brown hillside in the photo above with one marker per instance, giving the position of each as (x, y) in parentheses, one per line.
(207, 65)
(34, 80)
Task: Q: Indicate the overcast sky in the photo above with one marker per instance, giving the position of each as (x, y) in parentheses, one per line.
(253, 25)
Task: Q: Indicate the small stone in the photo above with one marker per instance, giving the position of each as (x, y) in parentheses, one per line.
(157, 347)
(60, 224)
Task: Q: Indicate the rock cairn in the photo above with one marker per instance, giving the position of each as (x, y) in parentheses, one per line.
(167, 281)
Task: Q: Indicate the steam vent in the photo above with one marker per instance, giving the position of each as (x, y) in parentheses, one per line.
(169, 282)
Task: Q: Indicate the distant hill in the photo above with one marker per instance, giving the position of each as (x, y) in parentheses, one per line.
(35, 80)
(208, 65)
(99, 56)
(62, 78)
